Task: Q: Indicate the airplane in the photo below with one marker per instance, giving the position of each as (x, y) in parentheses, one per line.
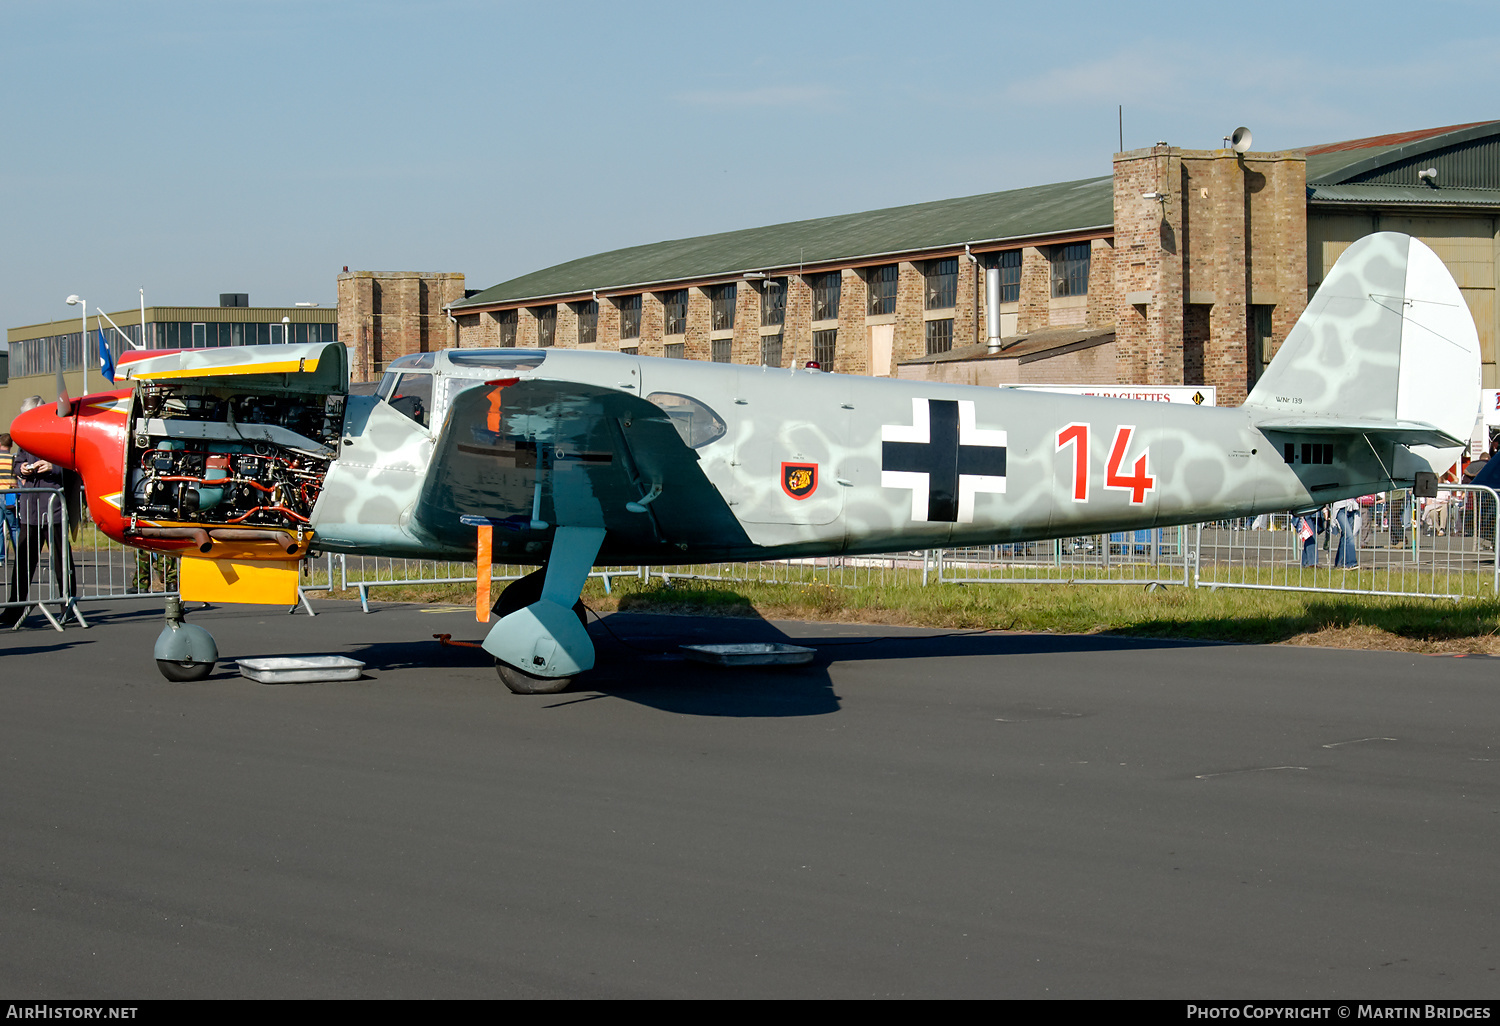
(245, 460)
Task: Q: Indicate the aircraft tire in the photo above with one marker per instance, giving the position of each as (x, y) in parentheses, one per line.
(184, 671)
(523, 592)
(522, 683)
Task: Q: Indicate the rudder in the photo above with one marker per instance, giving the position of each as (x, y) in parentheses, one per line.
(1387, 341)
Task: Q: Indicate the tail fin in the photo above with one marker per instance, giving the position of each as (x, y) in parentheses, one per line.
(1386, 347)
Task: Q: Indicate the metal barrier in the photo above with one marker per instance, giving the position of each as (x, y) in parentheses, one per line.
(1442, 548)
(1149, 557)
(829, 571)
(38, 520)
(1398, 546)
(110, 570)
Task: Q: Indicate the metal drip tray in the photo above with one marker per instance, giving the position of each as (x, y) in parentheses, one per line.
(750, 654)
(300, 669)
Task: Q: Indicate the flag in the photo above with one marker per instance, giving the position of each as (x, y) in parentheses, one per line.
(106, 360)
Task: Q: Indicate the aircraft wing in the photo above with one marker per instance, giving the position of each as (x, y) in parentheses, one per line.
(535, 454)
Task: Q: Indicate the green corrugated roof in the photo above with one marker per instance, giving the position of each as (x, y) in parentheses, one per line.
(1345, 164)
(1404, 195)
(1014, 214)
(1323, 166)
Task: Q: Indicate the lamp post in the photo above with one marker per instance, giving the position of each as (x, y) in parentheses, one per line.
(286, 331)
(84, 339)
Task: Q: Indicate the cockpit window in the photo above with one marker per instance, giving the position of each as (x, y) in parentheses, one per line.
(500, 359)
(696, 423)
(412, 361)
(412, 396)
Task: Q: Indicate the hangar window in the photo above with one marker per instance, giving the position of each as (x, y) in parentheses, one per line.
(721, 349)
(770, 350)
(773, 302)
(825, 295)
(695, 422)
(674, 351)
(824, 346)
(942, 284)
(881, 284)
(674, 312)
(939, 336)
(588, 321)
(546, 325)
(1070, 269)
(722, 298)
(506, 320)
(1009, 266)
(630, 316)
(1260, 338)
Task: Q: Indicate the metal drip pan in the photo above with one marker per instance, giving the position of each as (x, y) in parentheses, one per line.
(300, 669)
(750, 654)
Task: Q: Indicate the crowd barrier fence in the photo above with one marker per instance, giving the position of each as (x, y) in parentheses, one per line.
(1439, 548)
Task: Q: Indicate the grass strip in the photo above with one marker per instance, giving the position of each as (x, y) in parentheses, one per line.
(1227, 615)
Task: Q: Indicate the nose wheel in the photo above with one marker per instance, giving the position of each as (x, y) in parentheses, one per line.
(185, 652)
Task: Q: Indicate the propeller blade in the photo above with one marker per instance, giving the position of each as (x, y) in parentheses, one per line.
(64, 404)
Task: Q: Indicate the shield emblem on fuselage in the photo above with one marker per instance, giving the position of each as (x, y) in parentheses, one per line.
(799, 480)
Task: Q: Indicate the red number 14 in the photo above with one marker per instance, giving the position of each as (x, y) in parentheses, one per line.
(1139, 481)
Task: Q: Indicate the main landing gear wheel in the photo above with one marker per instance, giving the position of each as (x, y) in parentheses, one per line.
(523, 591)
(538, 646)
(523, 683)
(518, 595)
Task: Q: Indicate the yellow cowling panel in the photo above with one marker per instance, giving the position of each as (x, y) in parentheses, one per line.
(223, 580)
(304, 366)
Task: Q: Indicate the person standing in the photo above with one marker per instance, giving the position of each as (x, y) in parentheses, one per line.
(41, 523)
(1345, 514)
(1308, 527)
(9, 526)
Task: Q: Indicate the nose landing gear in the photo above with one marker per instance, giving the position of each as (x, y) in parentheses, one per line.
(185, 652)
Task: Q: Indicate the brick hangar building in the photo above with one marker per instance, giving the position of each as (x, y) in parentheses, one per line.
(1181, 267)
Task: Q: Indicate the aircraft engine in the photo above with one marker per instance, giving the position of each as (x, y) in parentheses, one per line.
(229, 459)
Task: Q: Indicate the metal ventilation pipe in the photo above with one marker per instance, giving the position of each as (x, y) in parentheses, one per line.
(992, 307)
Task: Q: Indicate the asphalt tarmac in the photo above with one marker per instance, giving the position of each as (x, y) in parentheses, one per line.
(994, 815)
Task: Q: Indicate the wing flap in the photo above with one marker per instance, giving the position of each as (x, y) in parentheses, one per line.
(534, 454)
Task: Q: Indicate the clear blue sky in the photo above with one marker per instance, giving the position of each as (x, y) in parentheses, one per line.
(207, 147)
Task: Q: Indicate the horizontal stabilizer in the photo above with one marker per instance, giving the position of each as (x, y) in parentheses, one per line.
(1403, 432)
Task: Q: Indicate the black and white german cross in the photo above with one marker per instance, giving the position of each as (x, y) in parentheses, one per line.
(943, 458)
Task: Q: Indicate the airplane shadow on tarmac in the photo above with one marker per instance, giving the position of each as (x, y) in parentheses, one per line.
(639, 660)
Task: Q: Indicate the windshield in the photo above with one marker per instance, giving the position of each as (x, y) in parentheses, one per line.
(500, 359)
